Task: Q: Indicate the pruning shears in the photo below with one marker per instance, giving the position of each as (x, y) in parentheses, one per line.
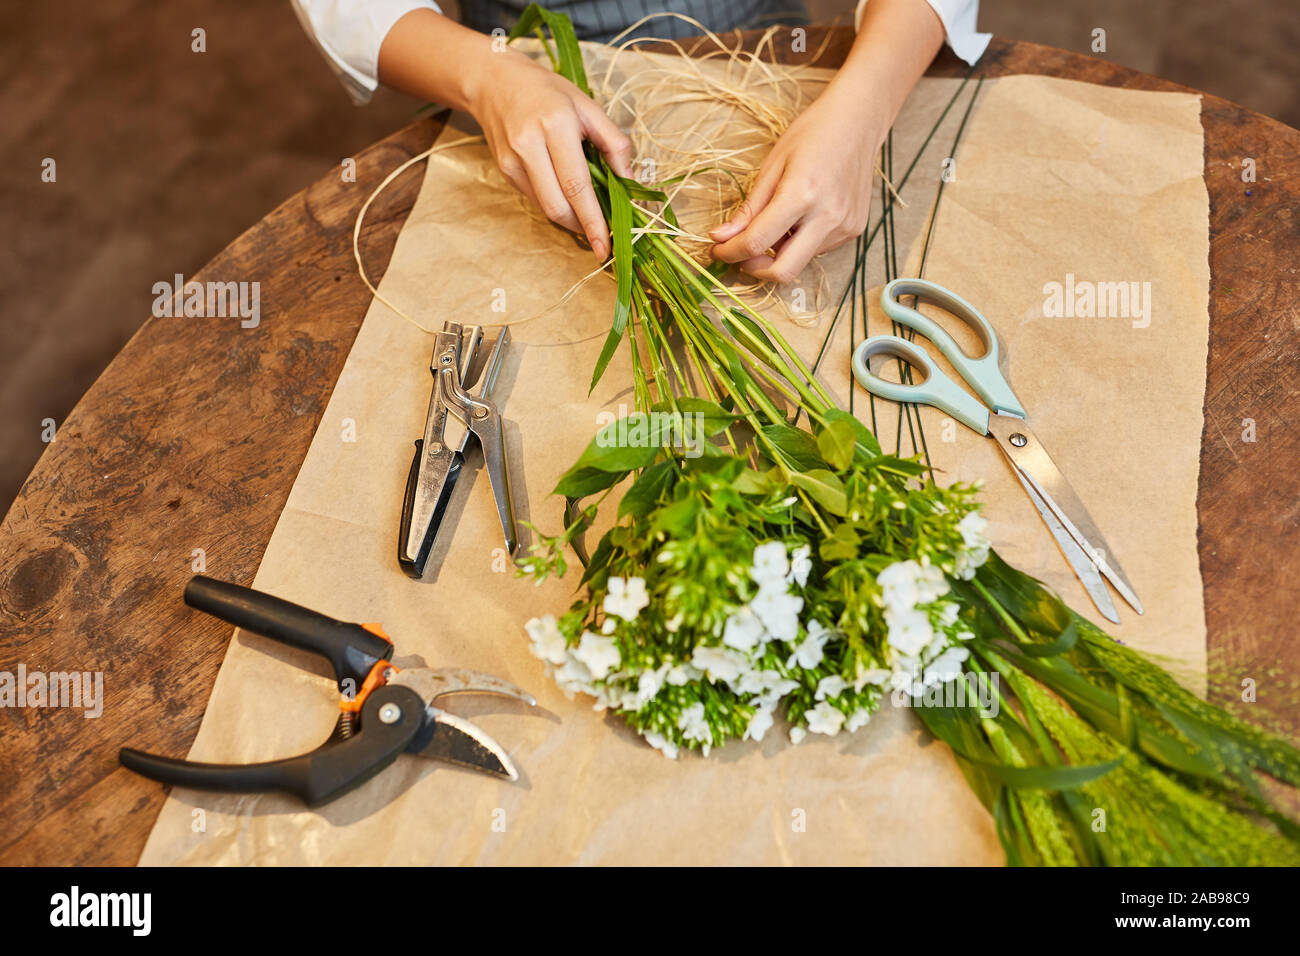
(384, 711)
(464, 368)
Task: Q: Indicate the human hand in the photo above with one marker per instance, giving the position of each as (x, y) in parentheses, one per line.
(535, 122)
(813, 191)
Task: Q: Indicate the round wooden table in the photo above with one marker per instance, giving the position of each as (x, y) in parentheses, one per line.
(189, 442)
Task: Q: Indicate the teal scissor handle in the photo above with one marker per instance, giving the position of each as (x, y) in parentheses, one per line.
(935, 388)
(980, 372)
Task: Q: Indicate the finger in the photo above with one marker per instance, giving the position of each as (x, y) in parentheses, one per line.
(795, 254)
(512, 168)
(759, 196)
(570, 165)
(546, 188)
(776, 219)
(609, 139)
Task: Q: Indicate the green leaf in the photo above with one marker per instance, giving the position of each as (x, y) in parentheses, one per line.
(580, 482)
(648, 489)
(751, 482)
(620, 229)
(842, 545)
(865, 438)
(1063, 643)
(712, 417)
(797, 445)
(677, 518)
(628, 443)
(568, 53)
(837, 443)
(1047, 778)
(825, 488)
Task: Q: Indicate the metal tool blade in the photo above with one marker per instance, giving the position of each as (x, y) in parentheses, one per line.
(432, 683)
(1032, 461)
(445, 736)
(1084, 569)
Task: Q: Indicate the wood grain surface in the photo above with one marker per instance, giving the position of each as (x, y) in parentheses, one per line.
(193, 436)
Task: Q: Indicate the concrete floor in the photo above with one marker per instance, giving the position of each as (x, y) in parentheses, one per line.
(164, 155)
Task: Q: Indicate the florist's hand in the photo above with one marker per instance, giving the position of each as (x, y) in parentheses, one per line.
(535, 121)
(812, 194)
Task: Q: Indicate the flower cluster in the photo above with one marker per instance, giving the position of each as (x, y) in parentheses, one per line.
(762, 653)
(923, 633)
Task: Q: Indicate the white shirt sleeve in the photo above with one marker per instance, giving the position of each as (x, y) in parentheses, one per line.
(958, 17)
(349, 33)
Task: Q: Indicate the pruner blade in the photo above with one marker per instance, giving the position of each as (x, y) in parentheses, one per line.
(444, 735)
(464, 369)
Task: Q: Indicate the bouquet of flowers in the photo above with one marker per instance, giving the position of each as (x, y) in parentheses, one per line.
(759, 570)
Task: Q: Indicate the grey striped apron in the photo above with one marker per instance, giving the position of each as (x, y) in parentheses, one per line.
(602, 20)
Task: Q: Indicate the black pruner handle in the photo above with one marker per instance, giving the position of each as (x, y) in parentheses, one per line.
(412, 563)
(390, 719)
(352, 650)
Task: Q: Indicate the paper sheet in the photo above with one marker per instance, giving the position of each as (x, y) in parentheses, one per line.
(1052, 177)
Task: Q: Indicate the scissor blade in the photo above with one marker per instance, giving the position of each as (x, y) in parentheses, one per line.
(1084, 569)
(456, 740)
(1027, 454)
(434, 481)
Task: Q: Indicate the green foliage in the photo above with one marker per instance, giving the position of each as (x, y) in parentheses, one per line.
(1093, 755)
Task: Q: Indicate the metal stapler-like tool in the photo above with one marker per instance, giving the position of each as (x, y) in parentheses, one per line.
(464, 367)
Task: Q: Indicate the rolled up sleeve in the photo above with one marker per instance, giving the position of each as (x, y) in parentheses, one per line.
(349, 33)
(958, 18)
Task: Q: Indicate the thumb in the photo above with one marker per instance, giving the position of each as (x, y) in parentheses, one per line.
(758, 198)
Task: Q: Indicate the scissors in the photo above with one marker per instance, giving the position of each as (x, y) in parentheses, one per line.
(999, 416)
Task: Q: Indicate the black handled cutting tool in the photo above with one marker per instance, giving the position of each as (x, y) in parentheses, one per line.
(464, 370)
(384, 711)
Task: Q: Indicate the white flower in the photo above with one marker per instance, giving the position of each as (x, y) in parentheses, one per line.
(648, 684)
(682, 674)
(743, 630)
(898, 585)
(759, 724)
(625, 599)
(965, 635)
(719, 663)
(947, 614)
(661, 743)
(909, 630)
(966, 563)
(768, 683)
(800, 565)
(547, 641)
(770, 564)
(976, 546)
(945, 667)
(825, 718)
(857, 720)
(573, 676)
(779, 611)
(875, 676)
(693, 726)
(797, 734)
(972, 531)
(599, 653)
(809, 652)
(831, 686)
